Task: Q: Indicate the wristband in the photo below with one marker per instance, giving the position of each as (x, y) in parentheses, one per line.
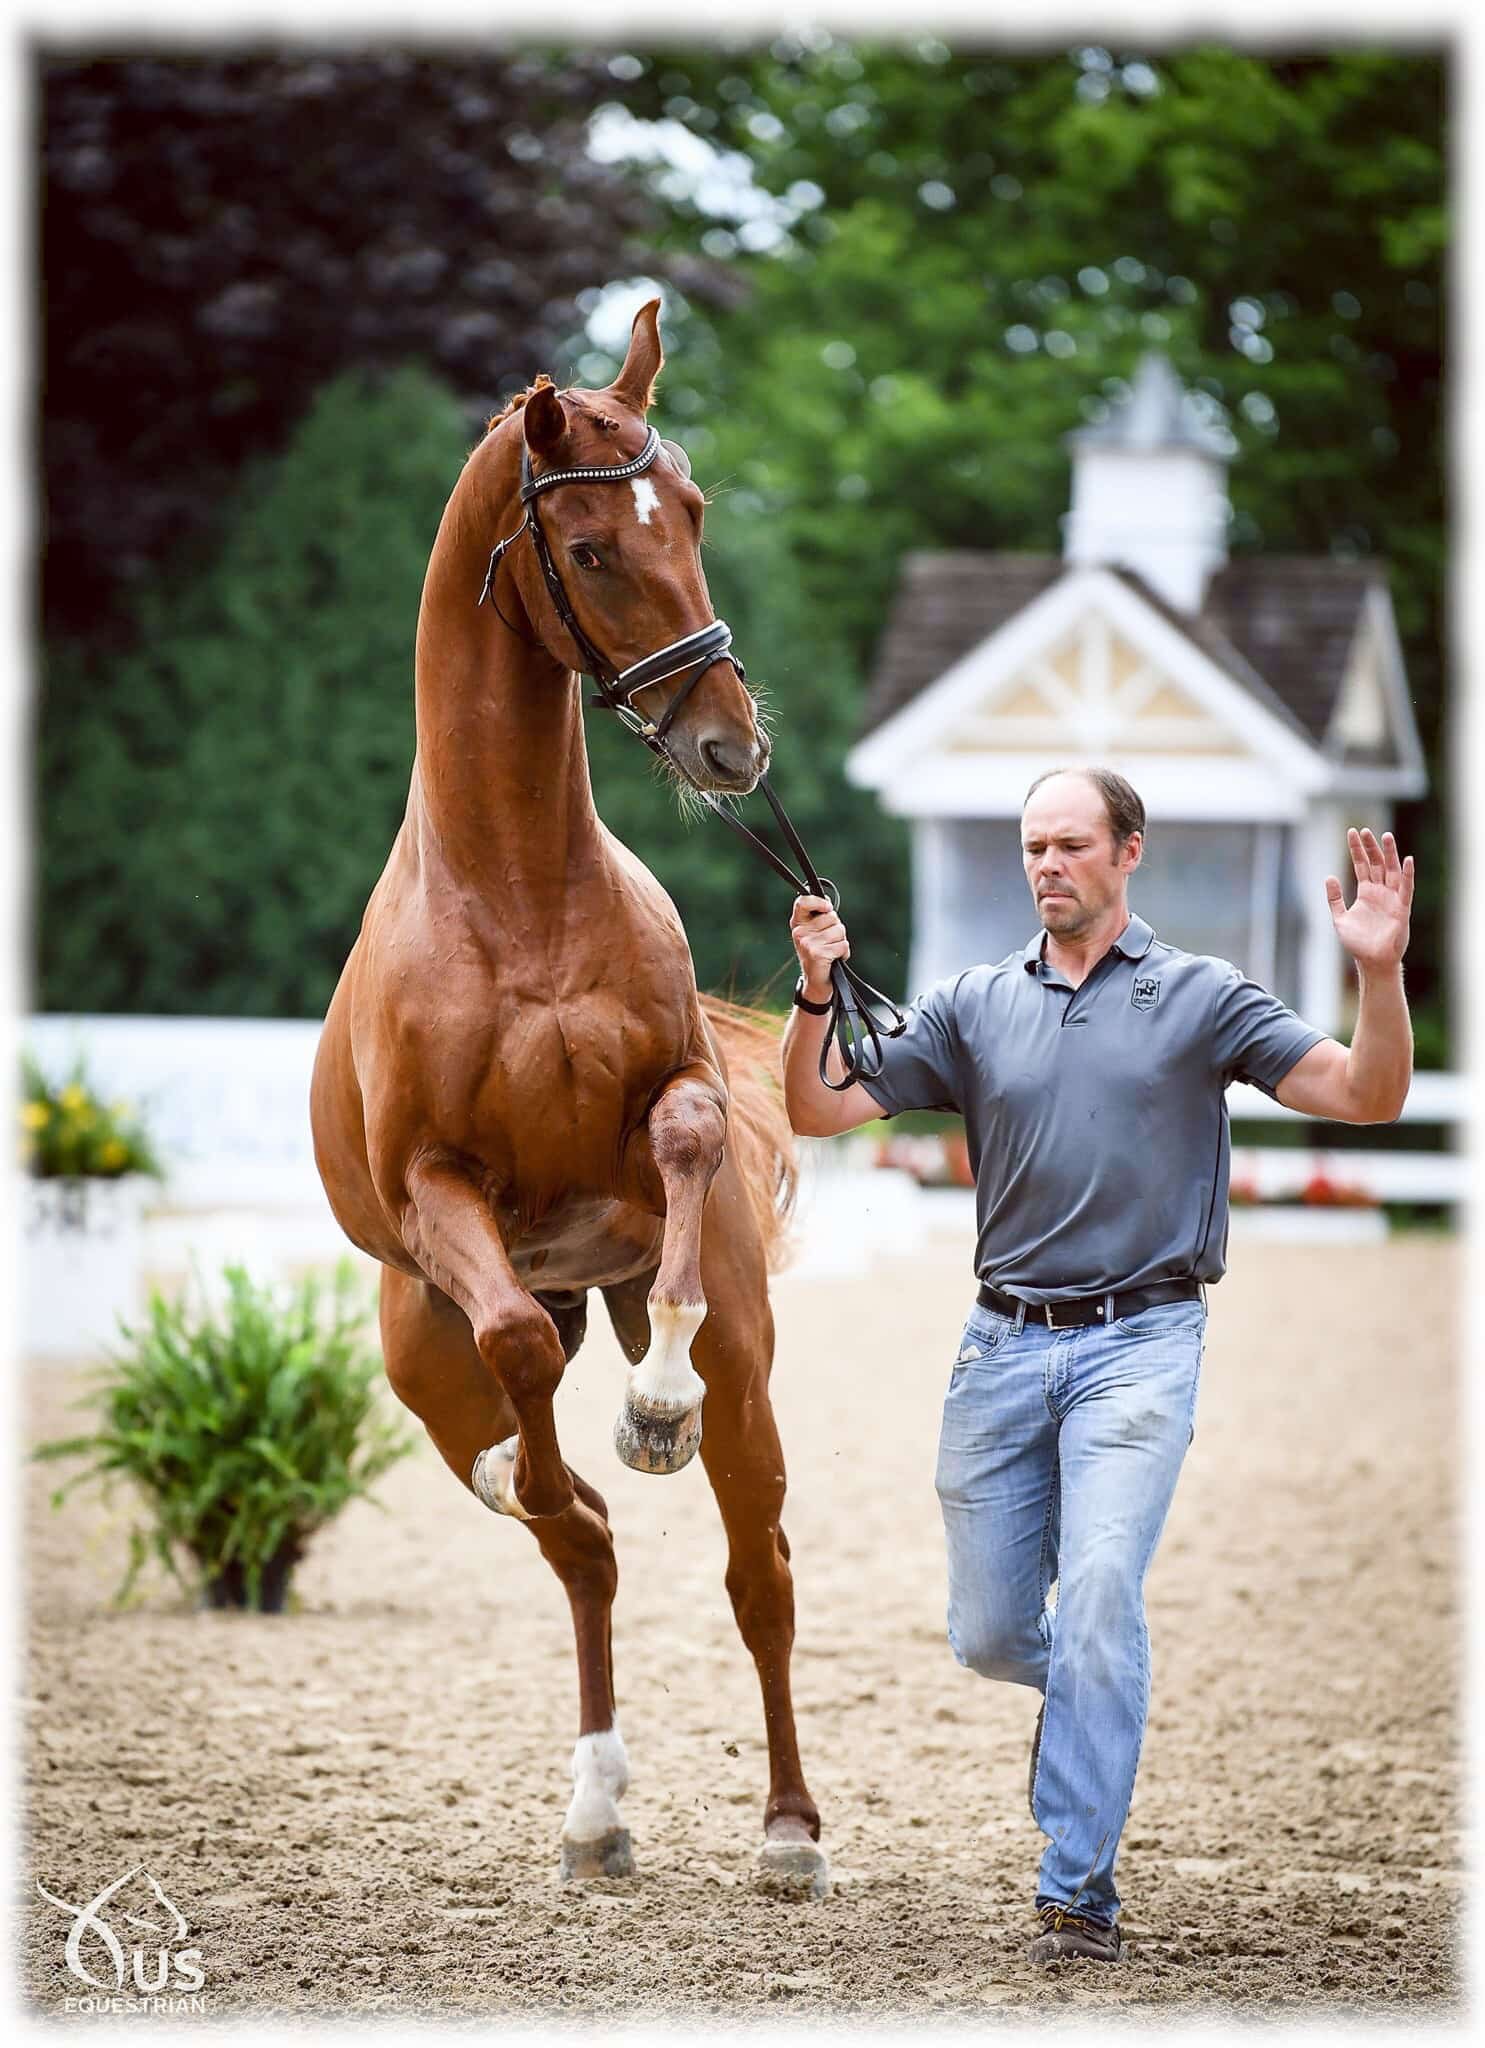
(802, 1001)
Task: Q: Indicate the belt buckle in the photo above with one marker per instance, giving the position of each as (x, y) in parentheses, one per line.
(1047, 1312)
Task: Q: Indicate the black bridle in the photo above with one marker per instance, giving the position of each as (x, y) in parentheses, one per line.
(853, 1025)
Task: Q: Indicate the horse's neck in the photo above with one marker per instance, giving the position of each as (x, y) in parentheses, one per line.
(501, 782)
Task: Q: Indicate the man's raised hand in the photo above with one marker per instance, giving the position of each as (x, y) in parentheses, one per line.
(1374, 931)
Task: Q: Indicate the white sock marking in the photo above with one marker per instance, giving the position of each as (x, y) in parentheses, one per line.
(663, 1383)
(600, 1777)
(646, 498)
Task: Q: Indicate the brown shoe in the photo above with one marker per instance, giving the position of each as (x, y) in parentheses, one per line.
(1036, 1750)
(1070, 1934)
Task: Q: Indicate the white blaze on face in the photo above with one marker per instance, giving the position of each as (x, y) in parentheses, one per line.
(646, 498)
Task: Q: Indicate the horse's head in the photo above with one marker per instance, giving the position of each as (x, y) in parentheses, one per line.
(628, 556)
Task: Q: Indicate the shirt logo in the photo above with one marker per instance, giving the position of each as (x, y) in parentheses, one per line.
(1146, 992)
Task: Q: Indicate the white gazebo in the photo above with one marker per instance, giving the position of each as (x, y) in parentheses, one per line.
(1258, 705)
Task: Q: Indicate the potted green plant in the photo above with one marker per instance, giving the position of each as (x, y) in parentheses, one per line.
(244, 1429)
(88, 1163)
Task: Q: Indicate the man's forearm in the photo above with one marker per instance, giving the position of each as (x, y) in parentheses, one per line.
(805, 1096)
(1379, 1065)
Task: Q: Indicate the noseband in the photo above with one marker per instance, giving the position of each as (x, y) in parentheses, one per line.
(854, 1027)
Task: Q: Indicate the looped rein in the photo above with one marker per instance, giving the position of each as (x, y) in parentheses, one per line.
(854, 1025)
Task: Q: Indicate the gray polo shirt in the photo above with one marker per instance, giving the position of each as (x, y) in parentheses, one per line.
(1096, 1117)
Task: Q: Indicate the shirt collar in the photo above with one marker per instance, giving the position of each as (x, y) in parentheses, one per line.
(1133, 942)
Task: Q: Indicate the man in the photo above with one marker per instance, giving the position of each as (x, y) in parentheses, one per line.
(1090, 1071)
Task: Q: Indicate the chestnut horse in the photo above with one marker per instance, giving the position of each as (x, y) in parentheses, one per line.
(519, 1094)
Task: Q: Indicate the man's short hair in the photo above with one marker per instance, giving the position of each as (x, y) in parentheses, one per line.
(1121, 800)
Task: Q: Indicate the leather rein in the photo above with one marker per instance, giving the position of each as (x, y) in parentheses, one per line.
(854, 1025)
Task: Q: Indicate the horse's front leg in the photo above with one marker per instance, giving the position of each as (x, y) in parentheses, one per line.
(659, 1426)
(450, 1231)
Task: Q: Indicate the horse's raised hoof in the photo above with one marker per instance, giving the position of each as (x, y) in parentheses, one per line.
(493, 1479)
(656, 1443)
(609, 1855)
(792, 1866)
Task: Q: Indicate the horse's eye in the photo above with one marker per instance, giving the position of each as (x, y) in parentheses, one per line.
(587, 557)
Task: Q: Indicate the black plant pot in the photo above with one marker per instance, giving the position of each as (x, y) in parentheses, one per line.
(229, 1586)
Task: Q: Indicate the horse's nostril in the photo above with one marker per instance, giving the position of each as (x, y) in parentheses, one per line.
(733, 759)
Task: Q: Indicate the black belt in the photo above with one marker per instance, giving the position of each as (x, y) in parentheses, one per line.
(1089, 1308)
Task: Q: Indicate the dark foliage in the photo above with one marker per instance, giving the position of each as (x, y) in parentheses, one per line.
(222, 233)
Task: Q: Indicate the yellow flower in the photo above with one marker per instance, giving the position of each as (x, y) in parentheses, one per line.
(74, 1097)
(113, 1153)
(121, 1111)
(35, 1116)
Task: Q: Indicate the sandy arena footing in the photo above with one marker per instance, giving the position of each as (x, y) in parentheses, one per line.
(357, 1805)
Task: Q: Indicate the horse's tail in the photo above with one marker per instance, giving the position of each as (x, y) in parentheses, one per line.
(758, 1128)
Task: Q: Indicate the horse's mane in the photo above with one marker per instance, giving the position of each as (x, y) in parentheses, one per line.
(758, 1130)
(604, 422)
(541, 383)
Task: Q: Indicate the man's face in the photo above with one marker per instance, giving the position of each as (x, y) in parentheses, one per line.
(1075, 870)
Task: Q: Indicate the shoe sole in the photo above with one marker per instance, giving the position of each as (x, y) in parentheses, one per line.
(1056, 1952)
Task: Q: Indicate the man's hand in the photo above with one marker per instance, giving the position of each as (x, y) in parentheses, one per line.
(1366, 1082)
(816, 1111)
(1374, 931)
(819, 938)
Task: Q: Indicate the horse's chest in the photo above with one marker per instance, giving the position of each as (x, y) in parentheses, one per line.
(559, 1103)
(556, 1101)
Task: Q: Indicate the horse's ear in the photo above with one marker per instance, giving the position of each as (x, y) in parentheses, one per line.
(545, 421)
(635, 383)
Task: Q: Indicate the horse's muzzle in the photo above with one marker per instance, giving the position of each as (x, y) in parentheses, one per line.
(733, 765)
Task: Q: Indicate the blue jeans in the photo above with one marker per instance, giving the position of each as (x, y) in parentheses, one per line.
(1058, 1458)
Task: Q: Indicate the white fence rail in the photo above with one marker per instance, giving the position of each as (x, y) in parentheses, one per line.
(226, 1098)
(1432, 1099)
(228, 1101)
(1273, 1172)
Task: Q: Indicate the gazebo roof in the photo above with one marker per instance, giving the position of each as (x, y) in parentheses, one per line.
(1281, 625)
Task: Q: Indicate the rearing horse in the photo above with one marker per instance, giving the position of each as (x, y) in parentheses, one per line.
(519, 1094)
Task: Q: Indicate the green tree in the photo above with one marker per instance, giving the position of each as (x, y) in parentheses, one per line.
(217, 800)
(221, 231)
(981, 246)
(984, 243)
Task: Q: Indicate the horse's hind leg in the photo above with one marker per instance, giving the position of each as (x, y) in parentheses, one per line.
(659, 1425)
(745, 1465)
(435, 1369)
